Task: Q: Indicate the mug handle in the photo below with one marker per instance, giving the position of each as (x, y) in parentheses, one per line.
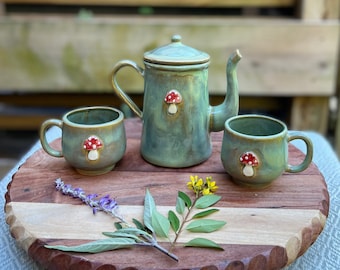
(120, 92)
(43, 140)
(309, 155)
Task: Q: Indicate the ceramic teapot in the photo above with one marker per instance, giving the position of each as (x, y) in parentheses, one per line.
(177, 117)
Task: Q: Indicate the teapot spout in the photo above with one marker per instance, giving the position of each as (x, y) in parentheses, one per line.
(230, 106)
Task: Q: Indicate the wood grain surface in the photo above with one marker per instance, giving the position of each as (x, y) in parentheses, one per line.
(266, 229)
(47, 59)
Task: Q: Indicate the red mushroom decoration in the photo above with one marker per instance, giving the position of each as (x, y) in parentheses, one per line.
(173, 97)
(92, 144)
(249, 160)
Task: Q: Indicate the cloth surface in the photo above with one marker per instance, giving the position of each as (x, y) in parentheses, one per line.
(323, 254)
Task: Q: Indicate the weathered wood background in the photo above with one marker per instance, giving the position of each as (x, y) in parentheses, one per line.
(282, 57)
(279, 58)
(58, 53)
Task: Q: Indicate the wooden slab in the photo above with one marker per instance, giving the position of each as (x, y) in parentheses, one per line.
(40, 56)
(266, 229)
(164, 3)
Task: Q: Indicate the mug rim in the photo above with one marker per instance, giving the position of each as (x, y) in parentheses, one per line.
(116, 120)
(258, 116)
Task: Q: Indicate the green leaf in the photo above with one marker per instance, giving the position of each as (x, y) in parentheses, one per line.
(185, 198)
(174, 221)
(203, 242)
(134, 231)
(160, 224)
(205, 213)
(149, 207)
(207, 200)
(138, 224)
(205, 225)
(122, 235)
(118, 225)
(180, 205)
(98, 246)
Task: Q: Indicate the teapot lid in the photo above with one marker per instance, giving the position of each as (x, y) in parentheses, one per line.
(176, 53)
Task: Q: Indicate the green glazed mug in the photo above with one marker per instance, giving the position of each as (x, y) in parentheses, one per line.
(255, 150)
(93, 139)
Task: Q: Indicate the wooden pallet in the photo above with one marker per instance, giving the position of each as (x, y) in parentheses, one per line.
(282, 56)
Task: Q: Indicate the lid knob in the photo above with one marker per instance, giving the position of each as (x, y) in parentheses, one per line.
(176, 38)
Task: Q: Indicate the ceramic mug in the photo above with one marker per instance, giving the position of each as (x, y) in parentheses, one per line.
(255, 150)
(93, 139)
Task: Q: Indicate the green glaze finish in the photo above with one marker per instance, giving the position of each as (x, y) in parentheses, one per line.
(181, 139)
(77, 126)
(178, 135)
(265, 138)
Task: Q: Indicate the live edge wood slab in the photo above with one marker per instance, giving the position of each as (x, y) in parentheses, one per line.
(266, 229)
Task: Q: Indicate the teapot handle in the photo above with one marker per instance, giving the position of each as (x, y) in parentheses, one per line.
(120, 92)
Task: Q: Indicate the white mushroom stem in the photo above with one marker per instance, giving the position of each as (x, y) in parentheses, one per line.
(172, 108)
(93, 155)
(248, 170)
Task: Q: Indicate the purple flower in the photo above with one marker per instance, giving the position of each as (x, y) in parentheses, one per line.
(104, 200)
(77, 192)
(105, 204)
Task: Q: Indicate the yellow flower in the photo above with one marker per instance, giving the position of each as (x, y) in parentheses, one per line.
(195, 184)
(206, 191)
(211, 185)
(191, 183)
(201, 187)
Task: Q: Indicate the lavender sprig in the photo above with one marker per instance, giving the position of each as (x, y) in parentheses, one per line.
(105, 204)
(109, 206)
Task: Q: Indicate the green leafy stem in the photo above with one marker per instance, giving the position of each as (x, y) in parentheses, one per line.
(154, 224)
(184, 207)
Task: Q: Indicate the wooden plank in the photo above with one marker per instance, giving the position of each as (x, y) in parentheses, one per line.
(176, 3)
(53, 55)
(62, 100)
(320, 9)
(337, 121)
(49, 220)
(2, 9)
(17, 114)
(23, 122)
(310, 113)
(337, 135)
